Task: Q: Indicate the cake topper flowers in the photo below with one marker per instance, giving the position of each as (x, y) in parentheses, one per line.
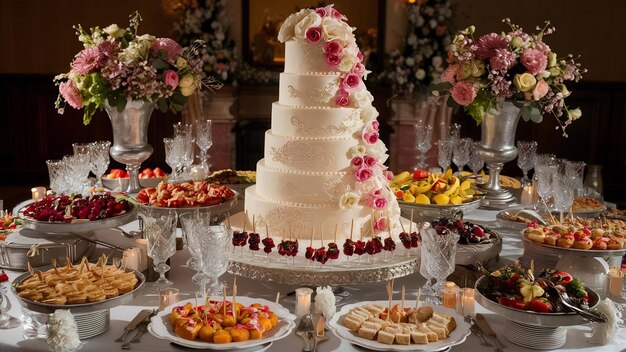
(513, 66)
(118, 65)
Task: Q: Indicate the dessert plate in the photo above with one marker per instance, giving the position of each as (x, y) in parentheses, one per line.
(161, 328)
(457, 336)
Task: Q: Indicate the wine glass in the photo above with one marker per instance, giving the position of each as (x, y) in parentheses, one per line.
(563, 193)
(454, 132)
(214, 248)
(461, 153)
(82, 155)
(574, 170)
(194, 227)
(159, 228)
(188, 155)
(7, 321)
(423, 142)
(476, 162)
(526, 154)
(70, 173)
(544, 175)
(173, 155)
(445, 153)
(99, 160)
(204, 140)
(437, 257)
(55, 173)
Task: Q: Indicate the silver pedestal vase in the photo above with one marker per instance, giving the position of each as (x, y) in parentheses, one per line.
(497, 146)
(130, 137)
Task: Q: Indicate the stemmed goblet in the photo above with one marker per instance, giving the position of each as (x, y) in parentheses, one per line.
(82, 155)
(173, 156)
(564, 189)
(461, 153)
(445, 153)
(476, 162)
(194, 226)
(437, 260)
(544, 174)
(574, 170)
(526, 155)
(213, 247)
(99, 160)
(159, 228)
(204, 140)
(55, 173)
(423, 142)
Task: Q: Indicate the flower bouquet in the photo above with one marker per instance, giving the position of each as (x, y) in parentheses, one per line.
(117, 66)
(514, 66)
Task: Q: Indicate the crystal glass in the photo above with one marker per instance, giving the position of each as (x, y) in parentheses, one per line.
(183, 129)
(73, 183)
(99, 160)
(195, 226)
(437, 259)
(544, 175)
(204, 140)
(461, 153)
(445, 148)
(544, 159)
(55, 173)
(563, 193)
(476, 162)
(188, 156)
(213, 246)
(526, 154)
(574, 170)
(174, 149)
(159, 228)
(82, 154)
(454, 132)
(6, 320)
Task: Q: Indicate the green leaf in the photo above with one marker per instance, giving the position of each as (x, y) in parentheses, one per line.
(160, 64)
(179, 98)
(526, 113)
(535, 115)
(121, 104)
(162, 105)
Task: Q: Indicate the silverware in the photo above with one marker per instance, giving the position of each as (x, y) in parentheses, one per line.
(142, 328)
(320, 331)
(563, 298)
(133, 323)
(306, 330)
(484, 326)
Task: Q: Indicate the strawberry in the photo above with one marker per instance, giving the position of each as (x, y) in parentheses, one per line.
(420, 174)
(158, 172)
(512, 302)
(541, 305)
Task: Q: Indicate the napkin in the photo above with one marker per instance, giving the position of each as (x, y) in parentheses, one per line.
(325, 302)
(62, 332)
(604, 333)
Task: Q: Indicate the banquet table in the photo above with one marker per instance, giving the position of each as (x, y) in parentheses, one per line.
(13, 339)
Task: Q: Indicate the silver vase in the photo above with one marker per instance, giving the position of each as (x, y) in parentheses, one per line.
(497, 146)
(130, 137)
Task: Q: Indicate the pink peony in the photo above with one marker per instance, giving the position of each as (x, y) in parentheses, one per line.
(359, 69)
(452, 73)
(380, 224)
(463, 93)
(332, 47)
(314, 34)
(343, 98)
(169, 47)
(534, 60)
(333, 59)
(70, 93)
(351, 82)
(502, 60)
(389, 175)
(370, 137)
(543, 47)
(363, 174)
(357, 162)
(170, 77)
(540, 90)
(488, 43)
(370, 161)
(87, 60)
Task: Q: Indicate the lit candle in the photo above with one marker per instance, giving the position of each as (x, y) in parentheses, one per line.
(131, 258)
(527, 195)
(167, 297)
(615, 283)
(468, 301)
(142, 244)
(449, 294)
(303, 301)
(38, 193)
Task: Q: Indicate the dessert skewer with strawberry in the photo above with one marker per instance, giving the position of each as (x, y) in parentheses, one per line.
(268, 242)
(389, 244)
(241, 238)
(348, 245)
(375, 244)
(309, 252)
(320, 253)
(254, 239)
(333, 249)
(405, 239)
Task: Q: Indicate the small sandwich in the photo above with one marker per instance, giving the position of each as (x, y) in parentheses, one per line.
(386, 337)
(403, 339)
(445, 320)
(353, 322)
(431, 335)
(438, 329)
(367, 333)
(419, 337)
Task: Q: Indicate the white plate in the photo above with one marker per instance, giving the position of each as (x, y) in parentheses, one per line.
(162, 329)
(457, 336)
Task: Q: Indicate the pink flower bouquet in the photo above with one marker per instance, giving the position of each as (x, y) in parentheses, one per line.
(117, 65)
(513, 66)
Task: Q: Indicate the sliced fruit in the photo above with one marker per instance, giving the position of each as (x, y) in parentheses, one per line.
(466, 184)
(408, 197)
(447, 174)
(401, 178)
(453, 187)
(422, 199)
(420, 174)
(441, 199)
(423, 187)
(456, 200)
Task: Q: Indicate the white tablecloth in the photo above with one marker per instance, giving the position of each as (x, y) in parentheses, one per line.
(12, 340)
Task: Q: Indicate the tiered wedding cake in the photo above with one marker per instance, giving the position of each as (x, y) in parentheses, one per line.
(323, 164)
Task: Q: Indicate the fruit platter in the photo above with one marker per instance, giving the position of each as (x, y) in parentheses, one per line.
(213, 326)
(423, 328)
(85, 287)
(78, 214)
(432, 195)
(8, 224)
(119, 178)
(520, 296)
(477, 243)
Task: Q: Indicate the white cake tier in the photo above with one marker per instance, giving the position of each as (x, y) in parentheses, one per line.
(315, 122)
(302, 56)
(282, 217)
(311, 89)
(312, 188)
(308, 154)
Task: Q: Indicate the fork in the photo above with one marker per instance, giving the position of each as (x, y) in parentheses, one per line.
(476, 330)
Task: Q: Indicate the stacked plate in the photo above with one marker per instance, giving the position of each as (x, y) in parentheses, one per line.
(92, 324)
(541, 260)
(535, 337)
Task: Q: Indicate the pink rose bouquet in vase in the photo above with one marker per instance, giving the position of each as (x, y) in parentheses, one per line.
(516, 67)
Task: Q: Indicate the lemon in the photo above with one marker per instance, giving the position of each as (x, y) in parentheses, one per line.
(448, 174)
(422, 199)
(466, 184)
(453, 187)
(408, 197)
(401, 178)
(441, 199)
(423, 187)
(456, 200)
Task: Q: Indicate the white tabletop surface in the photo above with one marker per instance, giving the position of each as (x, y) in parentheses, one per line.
(13, 340)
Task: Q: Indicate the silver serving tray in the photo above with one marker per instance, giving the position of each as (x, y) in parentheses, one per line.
(556, 250)
(79, 226)
(428, 212)
(209, 209)
(83, 307)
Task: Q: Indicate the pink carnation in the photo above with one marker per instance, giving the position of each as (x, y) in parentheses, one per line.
(343, 98)
(488, 43)
(363, 174)
(169, 47)
(534, 60)
(389, 175)
(87, 60)
(463, 93)
(314, 34)
(370, 137)
(333, 59)
(380, 224)
(350, 82)
(357, 162)
(359, 69)
(540, 90)
(369, 161)
(170, 77)
(452, 73)
(70, 93)
(502, 60)
(332, 47)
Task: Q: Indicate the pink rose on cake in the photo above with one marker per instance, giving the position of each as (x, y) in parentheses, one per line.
(370, 136)
(312, 19)
(363, 174)
(357, 162)
(332, 47)
(342, 99)
(380, 224)
(369, 161)
(350, 82)
(333, 59)
(314, 34)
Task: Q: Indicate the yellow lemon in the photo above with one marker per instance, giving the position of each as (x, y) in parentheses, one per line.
(423, 187)
(456, 200)
(408, 197)
(466, 184)
(447, 174)
(441, 199)
(422, 199)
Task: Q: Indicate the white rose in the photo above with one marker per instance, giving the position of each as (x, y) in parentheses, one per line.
(358, 150)
(186, 81)
(378, 150)
(130, 54)
(420, 74)
(310, 20)
(368, 113)
(114, 31)
(348, 200)
(187, 91)
(574, 114)
(363, 98)
(347, 63)
(286, 31)
(333, 29)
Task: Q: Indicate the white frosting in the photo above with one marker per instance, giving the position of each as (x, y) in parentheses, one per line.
(303, 122)
(302, 56)
(307, 154)
(313, 89)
